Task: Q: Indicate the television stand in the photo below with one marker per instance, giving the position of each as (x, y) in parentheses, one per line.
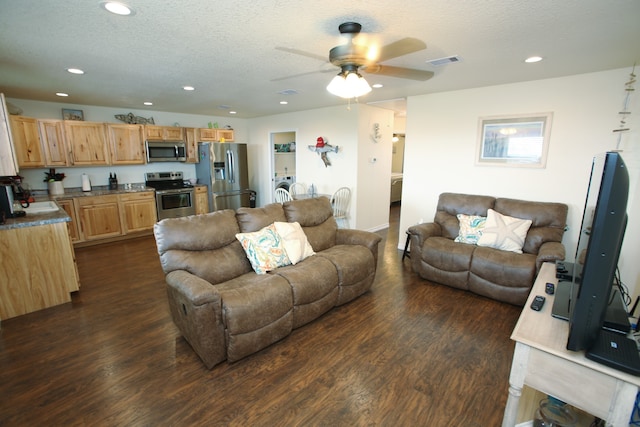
(541, 361)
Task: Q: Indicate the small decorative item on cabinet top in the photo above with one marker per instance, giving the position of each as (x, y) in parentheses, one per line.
(68, 114)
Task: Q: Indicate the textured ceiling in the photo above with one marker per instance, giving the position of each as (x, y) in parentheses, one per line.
(228, 50)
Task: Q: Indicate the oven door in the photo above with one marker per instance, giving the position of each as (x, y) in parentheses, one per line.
(175, 203)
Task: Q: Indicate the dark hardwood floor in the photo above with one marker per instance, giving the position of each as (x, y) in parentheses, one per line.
(407, 353)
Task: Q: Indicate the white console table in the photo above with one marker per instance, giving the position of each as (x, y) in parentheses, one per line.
(542, 362)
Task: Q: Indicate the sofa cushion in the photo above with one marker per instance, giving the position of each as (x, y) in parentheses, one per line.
(294, 241)
(256, 312)
(264, 249)
(356, 269)
(471, 227)
(452, 204)
(253, 219)
(443, 257)
(315, 216)
(504, 232)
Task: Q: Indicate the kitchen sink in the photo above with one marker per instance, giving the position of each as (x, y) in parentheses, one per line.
(41, 207)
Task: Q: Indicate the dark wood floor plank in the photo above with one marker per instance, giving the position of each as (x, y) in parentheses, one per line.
(407, 353)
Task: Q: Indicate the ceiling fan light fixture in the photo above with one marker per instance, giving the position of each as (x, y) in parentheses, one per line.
(348, 84)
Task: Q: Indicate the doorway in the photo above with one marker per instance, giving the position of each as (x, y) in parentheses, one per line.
(283, 160)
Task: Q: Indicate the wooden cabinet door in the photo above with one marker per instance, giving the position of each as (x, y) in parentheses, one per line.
(8, 161)
(87, 142)
(26, 140)
(192, 137)
(210, 135)
(99, 217)
(202, 199)
(138, 211)
(126, 143)
(69, 208)
(171, 133)
(53, 142)
(225, 134)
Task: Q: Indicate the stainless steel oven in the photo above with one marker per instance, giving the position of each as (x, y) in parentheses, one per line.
(175, 203)
(174, 197)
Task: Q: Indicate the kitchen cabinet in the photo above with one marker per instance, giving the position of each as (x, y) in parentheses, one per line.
(164, 133)
(202, 199)
(53, 142)
(99, 217)
(210, 135)
(225, 135)
(192, 136)
(126, 143)
(69, 207)
(27, 143)
(8, 163)
(87, 143)
(38, 268)
(138, 211)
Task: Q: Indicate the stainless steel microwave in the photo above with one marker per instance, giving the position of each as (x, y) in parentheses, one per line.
(166, 151)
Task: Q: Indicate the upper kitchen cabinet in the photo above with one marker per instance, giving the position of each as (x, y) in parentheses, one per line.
(53, 142)
(210, 135)
(26, 141)
(126, 143)
(87, 142)
(8, 163)
(225, 135)
(192, 137)
(163, 133)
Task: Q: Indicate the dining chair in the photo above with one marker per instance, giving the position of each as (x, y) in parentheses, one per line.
(297, 188)
(282, 195)
(340, 202)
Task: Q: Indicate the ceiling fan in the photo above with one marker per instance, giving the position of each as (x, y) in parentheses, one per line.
(356, 57)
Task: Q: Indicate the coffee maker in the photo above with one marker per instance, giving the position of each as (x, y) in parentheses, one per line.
(6, 202)
(10, 191)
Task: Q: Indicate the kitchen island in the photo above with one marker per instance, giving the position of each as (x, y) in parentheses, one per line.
(38, 268)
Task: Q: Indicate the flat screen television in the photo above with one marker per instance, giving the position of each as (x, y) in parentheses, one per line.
(603, 225)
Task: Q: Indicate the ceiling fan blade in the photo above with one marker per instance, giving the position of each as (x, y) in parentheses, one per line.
(303, 74)
(403, 73)
(401, 47)
(303, 53)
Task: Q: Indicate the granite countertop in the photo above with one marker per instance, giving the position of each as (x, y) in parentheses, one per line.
(35, 219)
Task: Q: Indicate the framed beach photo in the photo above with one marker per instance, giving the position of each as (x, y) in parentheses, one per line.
(68, 114)
(519, 140)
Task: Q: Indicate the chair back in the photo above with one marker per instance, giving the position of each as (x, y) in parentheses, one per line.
(340, 203)
(282, 195)
(297, 188)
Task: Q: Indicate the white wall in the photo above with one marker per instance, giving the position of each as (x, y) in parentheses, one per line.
(440, 150)
(350, 130)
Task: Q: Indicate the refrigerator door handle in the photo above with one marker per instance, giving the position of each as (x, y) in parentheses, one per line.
(232, 166)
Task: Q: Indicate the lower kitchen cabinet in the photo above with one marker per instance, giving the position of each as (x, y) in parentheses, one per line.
(202, 199)
(138, 211)
(69, 207)
(99, 217)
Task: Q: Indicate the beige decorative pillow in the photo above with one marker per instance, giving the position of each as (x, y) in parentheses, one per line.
(471, 227)
(264, 249)
(294, 240)
(504, 232)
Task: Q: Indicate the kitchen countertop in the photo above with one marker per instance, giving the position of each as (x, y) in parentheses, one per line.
(35, 219)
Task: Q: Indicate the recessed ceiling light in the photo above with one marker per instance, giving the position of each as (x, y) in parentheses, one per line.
(62, 94)
(148, 103)
(75, 71)
(189, 88)
(232, 112)
(377, 86)
(117, 8)
(533, 59)
(283, 102)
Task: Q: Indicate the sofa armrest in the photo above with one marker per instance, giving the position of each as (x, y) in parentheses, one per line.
(196, 309)
(349, 236)
(550, 252)
(423, 231)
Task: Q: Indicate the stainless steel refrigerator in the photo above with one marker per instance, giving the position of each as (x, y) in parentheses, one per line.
(223, 168)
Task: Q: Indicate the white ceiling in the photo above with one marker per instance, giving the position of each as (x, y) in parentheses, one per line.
(228, 50)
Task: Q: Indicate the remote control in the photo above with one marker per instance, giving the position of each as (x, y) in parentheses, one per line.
(549, 288)
(538, 302)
